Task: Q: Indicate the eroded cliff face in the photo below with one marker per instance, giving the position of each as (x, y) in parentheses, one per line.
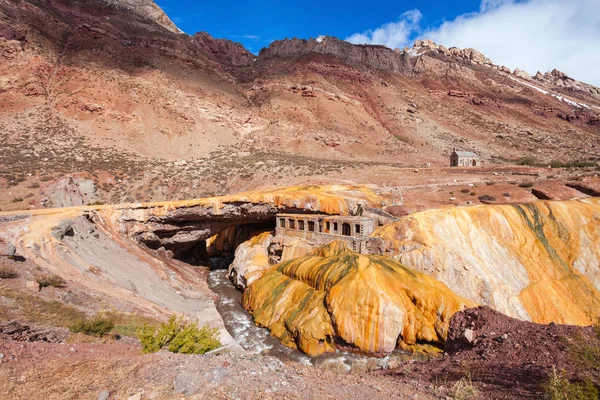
(379, 57)
(538, 261)
(333, 294)
(224, 51)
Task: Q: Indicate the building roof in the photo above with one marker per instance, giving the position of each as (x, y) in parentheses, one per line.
(466, 153)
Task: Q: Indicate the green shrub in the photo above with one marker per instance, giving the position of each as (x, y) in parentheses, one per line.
(530, 161)
(486, 197)
(99, 325)
(50, 280)
(17, 200)
(465, 190)
(179, 336)
(558, 387)
(7, 273)
(526, 184)
(585, 351)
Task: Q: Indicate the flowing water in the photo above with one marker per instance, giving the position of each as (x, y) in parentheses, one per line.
(257, 340)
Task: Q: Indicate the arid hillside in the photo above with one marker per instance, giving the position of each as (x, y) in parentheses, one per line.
(106, 101)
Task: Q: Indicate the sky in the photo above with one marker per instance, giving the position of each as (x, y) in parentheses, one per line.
(534, 35)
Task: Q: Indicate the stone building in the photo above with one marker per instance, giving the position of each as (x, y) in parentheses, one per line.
(322, 229)
(464, 159)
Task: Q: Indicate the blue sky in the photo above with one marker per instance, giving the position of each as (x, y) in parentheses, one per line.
(256, 23)
(534, 35)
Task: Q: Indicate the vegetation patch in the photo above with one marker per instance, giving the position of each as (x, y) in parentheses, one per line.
(526, 184)
(99, 325)
(533, 162)
(179, 336)
(463, 389)
(38, 310)
(486, 198)
(558, 387)
(50, 280)
(7, 272)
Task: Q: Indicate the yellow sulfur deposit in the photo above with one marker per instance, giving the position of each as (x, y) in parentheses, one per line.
(371, 302)
(538, 261)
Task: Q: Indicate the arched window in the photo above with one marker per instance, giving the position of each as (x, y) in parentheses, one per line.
(346, 229)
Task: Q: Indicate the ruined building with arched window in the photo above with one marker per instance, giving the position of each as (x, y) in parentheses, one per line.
(322, 229)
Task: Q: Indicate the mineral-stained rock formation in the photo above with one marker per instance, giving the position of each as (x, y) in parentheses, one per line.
(370, 302)
(537, 261)
(251, 260)
(179, 224)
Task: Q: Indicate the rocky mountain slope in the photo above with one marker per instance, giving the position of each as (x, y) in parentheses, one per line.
(111, 92)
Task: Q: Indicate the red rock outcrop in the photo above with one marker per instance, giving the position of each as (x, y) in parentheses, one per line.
(379, 57)
(224, 51)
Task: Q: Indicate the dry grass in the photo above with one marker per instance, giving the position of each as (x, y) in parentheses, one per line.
(50, 280)
(38, 310)
(464, 390)
(7, 272)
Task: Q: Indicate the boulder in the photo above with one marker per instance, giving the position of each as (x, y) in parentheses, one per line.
(7, 250)
(519, 73)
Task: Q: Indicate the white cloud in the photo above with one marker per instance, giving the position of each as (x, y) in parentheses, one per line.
(393, 34)
(530, 34)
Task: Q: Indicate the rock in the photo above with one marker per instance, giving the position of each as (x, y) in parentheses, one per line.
(63, 229)
(7, 250)
(336, 292)
(12, 328)
(32, 286)
(469, 335)
(103, 395)
(9, 33)
(519, 73)
(456, 93)
(137, 396)
(224, 51)
(73, 191)
(375, 56)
